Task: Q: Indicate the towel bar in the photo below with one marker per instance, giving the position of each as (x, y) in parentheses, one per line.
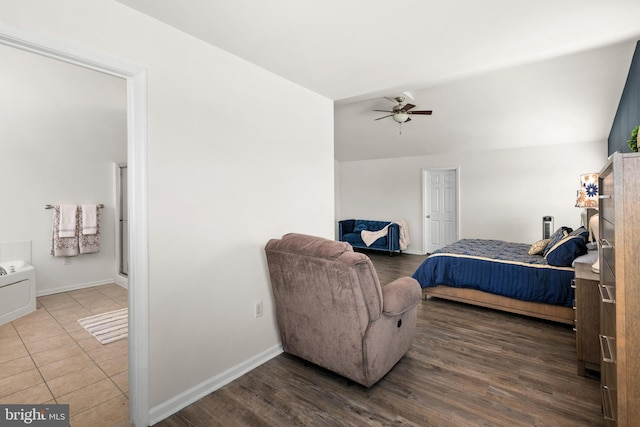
(51, 206)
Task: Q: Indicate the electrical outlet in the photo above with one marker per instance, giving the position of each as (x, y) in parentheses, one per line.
(259, 309)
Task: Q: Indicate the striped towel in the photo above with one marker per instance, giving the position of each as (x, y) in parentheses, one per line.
(108, 327)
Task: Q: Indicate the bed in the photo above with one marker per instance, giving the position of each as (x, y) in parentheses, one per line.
(504, 276)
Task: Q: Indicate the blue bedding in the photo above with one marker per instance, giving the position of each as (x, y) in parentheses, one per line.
(497, 267)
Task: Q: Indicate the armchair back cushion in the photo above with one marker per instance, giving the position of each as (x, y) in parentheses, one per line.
(329, 307)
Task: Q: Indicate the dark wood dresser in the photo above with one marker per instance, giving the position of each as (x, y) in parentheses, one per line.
(587, 320)
(619, 247)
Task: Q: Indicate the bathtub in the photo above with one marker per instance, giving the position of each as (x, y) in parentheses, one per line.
(17, 290)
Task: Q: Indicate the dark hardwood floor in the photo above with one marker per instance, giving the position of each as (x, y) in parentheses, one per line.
(468, 366)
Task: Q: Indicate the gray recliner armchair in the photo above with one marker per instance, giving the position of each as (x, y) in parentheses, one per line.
(332, 311)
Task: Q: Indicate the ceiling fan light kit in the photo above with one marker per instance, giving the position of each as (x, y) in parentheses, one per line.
(400, 112)
(400, 117)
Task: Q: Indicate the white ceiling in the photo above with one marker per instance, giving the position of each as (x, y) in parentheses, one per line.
(356, 51)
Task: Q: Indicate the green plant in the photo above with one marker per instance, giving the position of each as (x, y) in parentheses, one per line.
(633, 142)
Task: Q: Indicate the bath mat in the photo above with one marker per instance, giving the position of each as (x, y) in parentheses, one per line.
(107, 327)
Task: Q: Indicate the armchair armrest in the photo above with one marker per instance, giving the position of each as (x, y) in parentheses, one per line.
(345, 226)
(400, 295)
(393, 237)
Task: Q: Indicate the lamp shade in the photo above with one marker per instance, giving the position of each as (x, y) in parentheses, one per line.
(588, 192)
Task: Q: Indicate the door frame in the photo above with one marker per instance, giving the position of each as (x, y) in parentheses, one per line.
(138, 291)
(425, 203)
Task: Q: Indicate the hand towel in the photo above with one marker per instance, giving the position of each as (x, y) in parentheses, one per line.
(67, 225)
(89, 243)
(62, 246)
(89, 219)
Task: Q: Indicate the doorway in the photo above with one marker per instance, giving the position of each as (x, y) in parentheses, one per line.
(440, 190)
(138, 293)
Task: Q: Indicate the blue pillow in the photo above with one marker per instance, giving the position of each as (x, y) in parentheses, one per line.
(358, 228)
(582, 232)
(565, 251)
(559, 234)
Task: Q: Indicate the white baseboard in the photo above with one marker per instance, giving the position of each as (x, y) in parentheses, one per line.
(122, 281)
(74, 287)
(412, 252)
(186, 398)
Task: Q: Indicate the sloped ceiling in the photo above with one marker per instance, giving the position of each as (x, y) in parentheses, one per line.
(496, 73)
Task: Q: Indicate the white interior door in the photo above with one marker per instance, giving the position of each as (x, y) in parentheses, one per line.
(440, 197)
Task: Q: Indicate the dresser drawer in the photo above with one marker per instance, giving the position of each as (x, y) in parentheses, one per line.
(606, 200)
(609, 404)
(608, 315)
(607, 271)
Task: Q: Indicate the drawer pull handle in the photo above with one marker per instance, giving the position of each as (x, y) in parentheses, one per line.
(607, 404)
(607, 293)
(604, 196)
(606, 349)
(604, 244)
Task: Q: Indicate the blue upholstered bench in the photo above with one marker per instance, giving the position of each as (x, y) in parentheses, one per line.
(350, 230)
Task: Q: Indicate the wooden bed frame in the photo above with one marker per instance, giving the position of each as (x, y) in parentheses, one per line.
(555, 313)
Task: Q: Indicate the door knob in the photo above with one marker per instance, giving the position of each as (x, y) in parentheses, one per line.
(428, 216)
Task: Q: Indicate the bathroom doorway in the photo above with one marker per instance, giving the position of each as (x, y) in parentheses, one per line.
(136, 82)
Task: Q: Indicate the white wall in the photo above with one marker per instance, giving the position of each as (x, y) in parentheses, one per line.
(567, 99)
(62, 127)
(503, 193)
(226, 172)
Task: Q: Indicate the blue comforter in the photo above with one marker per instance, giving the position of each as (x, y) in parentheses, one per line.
(498, 267)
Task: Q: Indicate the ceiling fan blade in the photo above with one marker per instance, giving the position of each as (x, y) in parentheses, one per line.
(384, 117)
(408, 107)
(408, 120)
(423, 112)
(384, 111)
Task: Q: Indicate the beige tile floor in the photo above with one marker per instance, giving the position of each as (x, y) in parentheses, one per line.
(47, 357)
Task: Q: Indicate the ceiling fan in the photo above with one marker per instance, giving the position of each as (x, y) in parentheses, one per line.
(401, 111)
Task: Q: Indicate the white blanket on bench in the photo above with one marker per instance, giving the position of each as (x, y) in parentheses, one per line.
(369, 237)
